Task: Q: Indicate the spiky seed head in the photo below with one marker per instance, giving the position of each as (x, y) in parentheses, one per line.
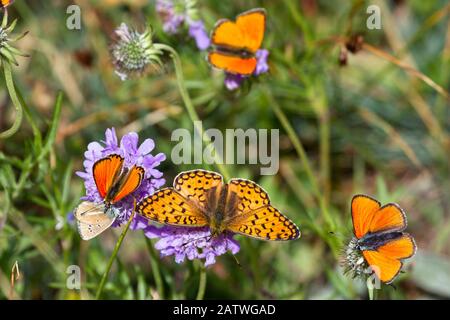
(133, 52)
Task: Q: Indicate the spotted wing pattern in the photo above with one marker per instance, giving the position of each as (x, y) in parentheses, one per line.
(168, 206)
(248, 212)
(200, 186)
(92, 219)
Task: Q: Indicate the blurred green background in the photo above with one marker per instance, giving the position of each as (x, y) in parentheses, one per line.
(370, 126)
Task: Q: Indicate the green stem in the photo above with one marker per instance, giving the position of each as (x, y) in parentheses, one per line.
(324, 128)
(190, 106)
(201, 284)
(306, 165)
(155, 268)
(112, 258)
(372, 292)
(13, 94)
(300, 152)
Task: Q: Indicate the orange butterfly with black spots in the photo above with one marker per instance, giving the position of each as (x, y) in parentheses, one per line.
(379, 240)
(236, 42)
(114, 182)
(5, 3)
(201, 198)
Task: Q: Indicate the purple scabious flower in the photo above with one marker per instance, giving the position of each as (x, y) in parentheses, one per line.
(172, 20)
(133, 154)
(189, 242)
(176, 14)
(234, 81)
(198, 32)
(261, 66)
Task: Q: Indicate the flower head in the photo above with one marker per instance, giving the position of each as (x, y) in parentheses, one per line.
(133, 52)
(8, 53)
(234, 81)
(189, 243)
(353, 261)
(133, 154)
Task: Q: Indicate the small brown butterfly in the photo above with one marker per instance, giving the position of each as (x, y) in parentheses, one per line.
(200, 198)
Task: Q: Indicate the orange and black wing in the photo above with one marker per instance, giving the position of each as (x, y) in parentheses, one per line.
(5, 3)
(247, 33)
(363, 210)
(168, 206)
(266, 223)
(232, 63)
(387, 260)
(106, 171)
(389, 217)
(369, 216)
(130, 184)
(201, 187)
(252, 24)
(248, 212)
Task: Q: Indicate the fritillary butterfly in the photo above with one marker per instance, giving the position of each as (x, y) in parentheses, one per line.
(200, 198)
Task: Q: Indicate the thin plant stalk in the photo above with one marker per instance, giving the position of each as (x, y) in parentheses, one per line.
(201, 284)
(306, 165)
(155, 268)
(190, 106)
(372, 291)
(15, 100)
(113, 257)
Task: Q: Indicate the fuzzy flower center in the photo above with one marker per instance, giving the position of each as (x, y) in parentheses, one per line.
(133, 53)
(353, 259)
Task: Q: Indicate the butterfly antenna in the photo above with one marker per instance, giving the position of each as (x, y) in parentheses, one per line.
(337, 234)
(236, 259)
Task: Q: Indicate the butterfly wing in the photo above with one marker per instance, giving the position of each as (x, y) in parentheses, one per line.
(386, 261)
(246, 33)
(227, 34)
(167, 206)
(232, 63)
(265, 223)
(194, 193)
(252, 24)
(131, 183)
(106, 171)
(389, 217)
(248, 212)
(201, 187)
(363, 210)
(369, 216)
(92, 219)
